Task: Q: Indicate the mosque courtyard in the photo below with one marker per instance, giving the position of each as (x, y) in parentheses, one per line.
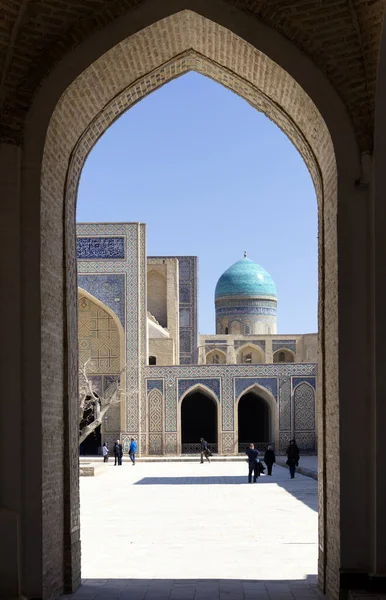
(190, 531)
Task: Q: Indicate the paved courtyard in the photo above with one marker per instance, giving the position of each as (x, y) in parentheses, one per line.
(192, 531)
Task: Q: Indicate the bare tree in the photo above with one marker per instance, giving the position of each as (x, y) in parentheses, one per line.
(93, 407)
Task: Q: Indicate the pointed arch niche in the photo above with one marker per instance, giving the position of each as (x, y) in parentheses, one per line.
(104, 347)
(256, 413)
(198, 416)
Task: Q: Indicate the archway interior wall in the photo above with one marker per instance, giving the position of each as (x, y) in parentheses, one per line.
(125, 74)
(102, 350)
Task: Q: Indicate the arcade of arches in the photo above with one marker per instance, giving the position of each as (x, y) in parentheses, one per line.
(318, 70)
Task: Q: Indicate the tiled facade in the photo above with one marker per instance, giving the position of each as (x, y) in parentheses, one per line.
(112, 267)
(188, 307)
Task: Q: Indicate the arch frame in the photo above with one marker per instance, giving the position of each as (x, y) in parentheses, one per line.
(55, 218)
(273, 411)
(285, 350)
(216, 351)
(203, 389)
(122, 343)
(253, 347)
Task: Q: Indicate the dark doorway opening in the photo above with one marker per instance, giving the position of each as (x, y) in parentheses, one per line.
(93, 442)
(198, 419)
(254, 422)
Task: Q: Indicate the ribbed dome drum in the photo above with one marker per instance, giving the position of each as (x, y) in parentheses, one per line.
(245, 300)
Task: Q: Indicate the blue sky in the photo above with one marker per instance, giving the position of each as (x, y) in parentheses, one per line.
(211, 177)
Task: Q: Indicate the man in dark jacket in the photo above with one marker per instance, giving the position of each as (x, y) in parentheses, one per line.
(253, 463)
(269, 459)
(204, 450)
(118, 452)
(293, 457)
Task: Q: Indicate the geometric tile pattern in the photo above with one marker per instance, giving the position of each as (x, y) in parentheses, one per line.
(304, 403)
(156, 401)
(242, 383)
(132, 269)
(109, 289)
(279, 344)
(297, 380)
(228, 442)
(284, 440)
(185, 384)
(275, 377)
(98, 338)
(306, 440)
(155, 411)
(285, 403)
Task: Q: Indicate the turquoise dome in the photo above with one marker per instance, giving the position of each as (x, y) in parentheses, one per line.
(245, 278)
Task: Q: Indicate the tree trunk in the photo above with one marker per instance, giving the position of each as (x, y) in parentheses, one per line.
(92, 426)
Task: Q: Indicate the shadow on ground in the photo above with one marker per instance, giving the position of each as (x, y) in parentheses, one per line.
(302, 488)
(197, 589)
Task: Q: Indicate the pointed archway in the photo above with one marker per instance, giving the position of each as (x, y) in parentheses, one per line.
(256, 418)
(199, 419)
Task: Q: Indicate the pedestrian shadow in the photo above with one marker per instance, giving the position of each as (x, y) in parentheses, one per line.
(306, 494)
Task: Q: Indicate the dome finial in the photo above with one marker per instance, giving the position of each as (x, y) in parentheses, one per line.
(245, 254)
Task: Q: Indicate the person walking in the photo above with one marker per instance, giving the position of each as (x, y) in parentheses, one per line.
(133, 450)
(269, 459)
(253, 463)
(204, 450)
(118, 453)
(293, 457)
(105, 452)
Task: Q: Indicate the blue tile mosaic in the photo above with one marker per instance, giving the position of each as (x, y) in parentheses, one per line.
(279, 344)
(109, 289)
(185, 384)
(96, 248)
(297, 380)
(155, 384)
(215, 342)
(242, 383)
(245, 278)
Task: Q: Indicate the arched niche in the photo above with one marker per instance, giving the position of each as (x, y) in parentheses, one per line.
(283, 355)
(267, 397)
(216, 357)
(200, 397)
(250, 354)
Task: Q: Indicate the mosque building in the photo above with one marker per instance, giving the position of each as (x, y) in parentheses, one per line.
(138, 318)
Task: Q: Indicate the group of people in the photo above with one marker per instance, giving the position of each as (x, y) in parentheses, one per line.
(118, 452)
(255, 467)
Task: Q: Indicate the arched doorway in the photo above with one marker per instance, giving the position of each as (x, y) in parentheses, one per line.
(198, 419)
(47, 280)
(254, 421)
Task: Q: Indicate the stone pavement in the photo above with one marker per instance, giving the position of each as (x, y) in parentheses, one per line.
(308, 465)
(190, 531)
